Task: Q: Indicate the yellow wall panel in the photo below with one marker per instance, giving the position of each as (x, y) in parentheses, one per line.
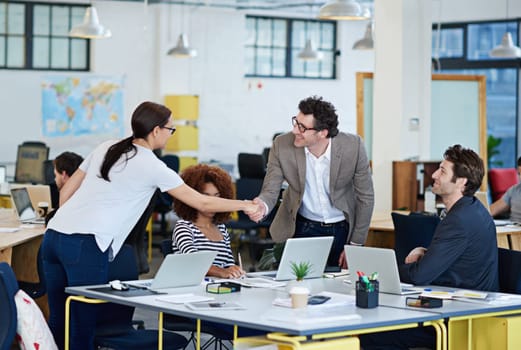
(186, 138)
(186, 162)
(183, 107)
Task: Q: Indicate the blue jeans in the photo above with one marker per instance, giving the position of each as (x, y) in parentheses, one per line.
(72, 260)
(307, 228)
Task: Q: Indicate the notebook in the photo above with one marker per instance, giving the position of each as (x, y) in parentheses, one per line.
(179, 270)
(382, 261)
(24, 208)
(314, 250)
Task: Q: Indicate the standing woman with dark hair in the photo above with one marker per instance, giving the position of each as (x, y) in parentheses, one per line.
(100, 204)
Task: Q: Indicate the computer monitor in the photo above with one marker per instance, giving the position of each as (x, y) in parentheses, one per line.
(30, 162)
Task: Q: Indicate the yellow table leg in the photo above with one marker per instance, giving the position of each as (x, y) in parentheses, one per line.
(81, 299)
(160, 332)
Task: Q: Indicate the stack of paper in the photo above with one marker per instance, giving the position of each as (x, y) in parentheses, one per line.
(337, 299)
(183, 298)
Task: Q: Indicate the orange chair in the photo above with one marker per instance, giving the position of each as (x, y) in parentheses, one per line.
(500, 180)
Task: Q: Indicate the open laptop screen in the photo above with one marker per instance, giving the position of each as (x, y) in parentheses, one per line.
(22, 203)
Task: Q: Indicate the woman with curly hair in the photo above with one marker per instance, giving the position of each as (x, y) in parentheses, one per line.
(205, 230)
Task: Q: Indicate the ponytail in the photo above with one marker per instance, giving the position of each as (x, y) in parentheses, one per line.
(115, 152)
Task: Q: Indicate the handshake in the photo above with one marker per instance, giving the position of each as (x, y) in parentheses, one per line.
(256, 209)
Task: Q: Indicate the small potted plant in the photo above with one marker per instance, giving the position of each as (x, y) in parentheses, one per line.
(301, 269)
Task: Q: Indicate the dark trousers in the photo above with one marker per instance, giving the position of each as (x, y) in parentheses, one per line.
(339, 230)
(424, 337)
(72, 260)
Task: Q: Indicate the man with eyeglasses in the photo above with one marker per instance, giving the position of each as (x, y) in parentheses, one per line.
(330, 189)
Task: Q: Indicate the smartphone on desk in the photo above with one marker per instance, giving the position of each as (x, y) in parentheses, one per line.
(318, 299)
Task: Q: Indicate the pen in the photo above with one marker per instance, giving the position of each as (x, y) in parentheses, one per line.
(240, 260)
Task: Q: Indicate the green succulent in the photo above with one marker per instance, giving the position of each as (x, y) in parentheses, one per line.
(301, 269)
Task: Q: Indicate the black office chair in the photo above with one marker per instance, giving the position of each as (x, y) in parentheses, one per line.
(115, 329)
(35, 289)
(219, 335)
(30, 160)
(8, 317)
(163, 204)
(251, 165)
(411, 231)
(509, 266)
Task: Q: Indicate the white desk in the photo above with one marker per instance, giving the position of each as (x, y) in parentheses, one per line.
(260, 313)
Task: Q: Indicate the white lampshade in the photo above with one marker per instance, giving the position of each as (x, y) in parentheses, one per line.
(182, 49)
(90, 28)
(309, 53)
(366, 43)
(343, 10)
(506, 49)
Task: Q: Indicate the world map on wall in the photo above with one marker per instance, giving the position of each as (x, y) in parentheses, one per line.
(74, 106)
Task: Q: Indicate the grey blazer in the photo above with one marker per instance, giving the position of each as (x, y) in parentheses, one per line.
(351, 184)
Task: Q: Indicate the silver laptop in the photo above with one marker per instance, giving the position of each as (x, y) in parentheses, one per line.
(314, 250)
(483, 198)
(382, 261)
(179, 270)
(24, 207)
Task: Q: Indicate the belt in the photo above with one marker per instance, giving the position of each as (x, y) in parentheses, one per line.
(322, 224)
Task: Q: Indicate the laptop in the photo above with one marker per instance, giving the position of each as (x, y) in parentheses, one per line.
(382, 261)
(314, 250)
(24, 207)
(179, 270)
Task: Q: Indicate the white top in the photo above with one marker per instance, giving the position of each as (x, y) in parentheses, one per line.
(316, 203)
(109, 210)
(187, 238)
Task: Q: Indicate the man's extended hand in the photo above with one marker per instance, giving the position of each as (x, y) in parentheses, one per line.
(415, 255)
(260, 212)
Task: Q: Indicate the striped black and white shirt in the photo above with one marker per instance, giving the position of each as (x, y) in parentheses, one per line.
(187, 238)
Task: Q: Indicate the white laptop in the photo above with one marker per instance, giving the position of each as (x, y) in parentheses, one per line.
(24, 208)
(179, 270)
(382, 261)
(314, 250)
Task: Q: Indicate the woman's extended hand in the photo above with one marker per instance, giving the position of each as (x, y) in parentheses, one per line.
(232, 271)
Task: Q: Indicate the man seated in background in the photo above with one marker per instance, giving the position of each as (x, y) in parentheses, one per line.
(510, 203)
(65, 165)
(463, 251)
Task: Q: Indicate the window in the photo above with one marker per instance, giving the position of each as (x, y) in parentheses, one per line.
(464, 49)
(273, 45)
(35, 36)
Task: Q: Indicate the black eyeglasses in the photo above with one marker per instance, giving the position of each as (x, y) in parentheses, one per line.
(172, 130)
(300, 126)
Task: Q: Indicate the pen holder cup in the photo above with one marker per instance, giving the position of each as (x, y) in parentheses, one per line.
(367, 294)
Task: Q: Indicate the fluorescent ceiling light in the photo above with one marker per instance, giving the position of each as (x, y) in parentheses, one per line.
(90, 28)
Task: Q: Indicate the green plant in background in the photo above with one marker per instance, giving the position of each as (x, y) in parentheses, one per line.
(301, 269)
(493, 150)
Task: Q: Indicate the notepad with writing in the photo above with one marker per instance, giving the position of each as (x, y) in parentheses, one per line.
(215, 305)
(184, 298)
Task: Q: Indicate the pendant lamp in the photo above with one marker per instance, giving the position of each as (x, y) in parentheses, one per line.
(506, 49)
(366, 43)
(90, 28)
(343, 10)
(309, 53)
(182, 50)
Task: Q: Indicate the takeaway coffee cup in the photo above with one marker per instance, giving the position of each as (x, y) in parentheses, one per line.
(43, 208)
(299, 297)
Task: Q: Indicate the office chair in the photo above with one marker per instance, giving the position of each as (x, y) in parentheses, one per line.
(500, 180)
(114, 329)
(251, 165)
(185, 324)
(35, 289)
(411, 231)
(163, 204)
(509, 266)
(30, 160)
(8, 317)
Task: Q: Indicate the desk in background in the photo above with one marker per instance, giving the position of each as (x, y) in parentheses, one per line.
(381, 233)
(20, 250)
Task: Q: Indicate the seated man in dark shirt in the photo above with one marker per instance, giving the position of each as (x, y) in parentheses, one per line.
(463, 251)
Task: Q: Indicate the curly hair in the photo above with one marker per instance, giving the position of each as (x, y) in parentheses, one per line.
(324, 113)
(467, 164)
(196, 176)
